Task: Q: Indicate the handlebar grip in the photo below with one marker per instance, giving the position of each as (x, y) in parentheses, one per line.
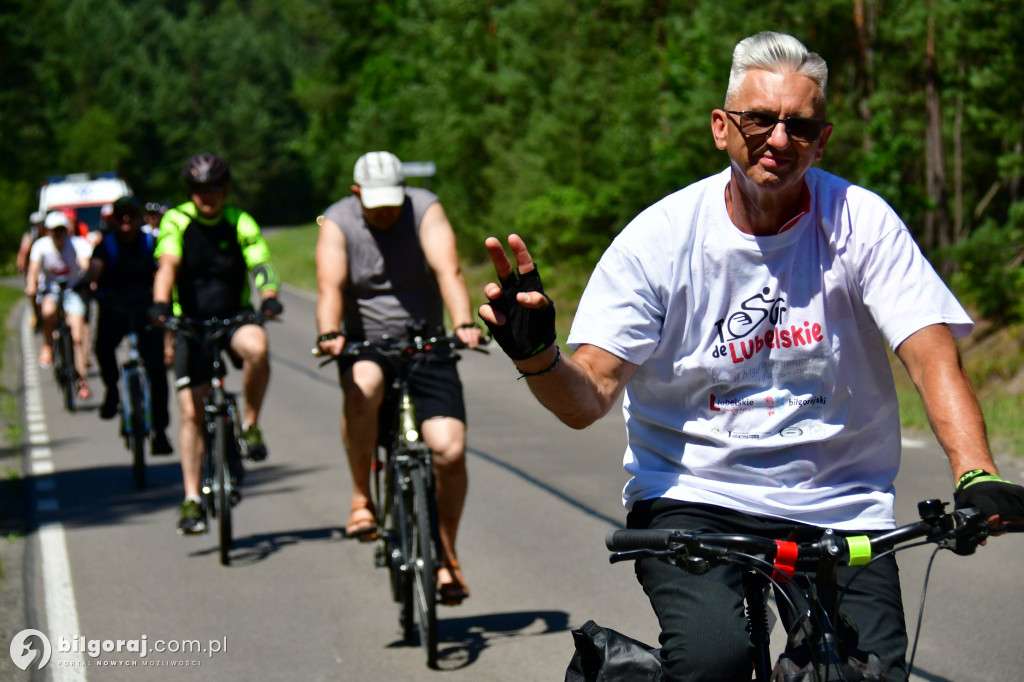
(623, 540)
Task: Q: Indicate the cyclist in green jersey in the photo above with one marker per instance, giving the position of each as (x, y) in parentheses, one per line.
(206, 251)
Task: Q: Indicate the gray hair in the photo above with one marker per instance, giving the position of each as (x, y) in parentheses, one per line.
(778, 53)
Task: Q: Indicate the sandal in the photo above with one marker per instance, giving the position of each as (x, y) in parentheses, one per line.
(454, 591)
(46, 357)
(362, 523)
(83, 390)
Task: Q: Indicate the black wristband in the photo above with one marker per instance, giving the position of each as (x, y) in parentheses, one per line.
(328, 336)
(547, 370)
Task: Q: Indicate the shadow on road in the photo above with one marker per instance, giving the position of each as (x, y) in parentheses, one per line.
(462, 640)
(106, 495)
(255, 548)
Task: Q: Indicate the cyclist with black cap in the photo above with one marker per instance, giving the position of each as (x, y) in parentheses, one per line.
(206, 251)
(123, 267)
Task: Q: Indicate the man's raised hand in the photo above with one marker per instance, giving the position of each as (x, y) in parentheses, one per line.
(519, 315)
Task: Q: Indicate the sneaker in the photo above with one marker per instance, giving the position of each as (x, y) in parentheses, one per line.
(252, 441)
(108, 410)
(161, 446)
(193, 518)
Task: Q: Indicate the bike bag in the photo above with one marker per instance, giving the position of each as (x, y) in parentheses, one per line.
(796, 664)
(604, 655)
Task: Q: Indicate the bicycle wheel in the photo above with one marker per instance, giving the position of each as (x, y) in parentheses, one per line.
(137, 433)
(422, 559)
(222, 486)
(67, 376)
(400, 536)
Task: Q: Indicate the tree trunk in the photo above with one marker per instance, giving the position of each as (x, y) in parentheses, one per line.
(864, 20)
(936, 218)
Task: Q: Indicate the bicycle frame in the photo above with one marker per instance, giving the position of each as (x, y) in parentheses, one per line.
(404, 491)
(222, 466)
(63, 346)
(771, 562)
(407, 542)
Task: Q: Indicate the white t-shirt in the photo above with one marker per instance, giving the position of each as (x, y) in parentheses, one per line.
(56, 264)
(763, 382)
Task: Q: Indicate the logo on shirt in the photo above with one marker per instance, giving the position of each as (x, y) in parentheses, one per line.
(758, 326)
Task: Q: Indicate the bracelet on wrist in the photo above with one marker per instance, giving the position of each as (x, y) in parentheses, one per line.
(328, 336)
(547, 370)
(468, 325)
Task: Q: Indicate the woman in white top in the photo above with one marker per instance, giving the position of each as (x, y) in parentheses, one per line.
(53, 258)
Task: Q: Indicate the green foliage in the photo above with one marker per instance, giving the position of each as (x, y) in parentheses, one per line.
(561, 119)
(989, 276)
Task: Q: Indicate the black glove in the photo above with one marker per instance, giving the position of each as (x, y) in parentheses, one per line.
(526, 331)
(159, 312)
(271, 306)
(991, 494)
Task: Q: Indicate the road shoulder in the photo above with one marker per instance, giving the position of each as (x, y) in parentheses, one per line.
(13, 517)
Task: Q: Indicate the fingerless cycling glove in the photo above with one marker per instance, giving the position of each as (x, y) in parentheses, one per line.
(989, 493)
(527, 331)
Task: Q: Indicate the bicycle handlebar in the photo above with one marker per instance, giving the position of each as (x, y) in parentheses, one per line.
(216, 326)
(395, 348)
(961, 531)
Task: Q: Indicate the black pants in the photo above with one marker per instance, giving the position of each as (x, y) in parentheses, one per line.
(703, 626)
(111, 327)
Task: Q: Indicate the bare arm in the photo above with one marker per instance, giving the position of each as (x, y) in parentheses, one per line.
(331, 275)
(163, 281)
(437, 239)
(24, 247)
(32, 278)
(580, 389)
(933, 362)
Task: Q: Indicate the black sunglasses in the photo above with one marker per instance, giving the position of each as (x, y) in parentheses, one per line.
(206, 188)
(760, 124)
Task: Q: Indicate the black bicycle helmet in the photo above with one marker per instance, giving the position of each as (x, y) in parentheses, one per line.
(206, 169)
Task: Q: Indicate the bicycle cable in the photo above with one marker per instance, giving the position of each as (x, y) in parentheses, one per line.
(920, 612)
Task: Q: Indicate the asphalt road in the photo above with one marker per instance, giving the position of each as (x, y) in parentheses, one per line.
(300, 602)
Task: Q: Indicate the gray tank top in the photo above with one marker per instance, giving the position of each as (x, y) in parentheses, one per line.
(389, 280)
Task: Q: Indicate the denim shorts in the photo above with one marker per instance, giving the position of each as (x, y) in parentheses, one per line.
(73, 303)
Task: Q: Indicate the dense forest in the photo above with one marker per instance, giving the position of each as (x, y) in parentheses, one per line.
(559, 119)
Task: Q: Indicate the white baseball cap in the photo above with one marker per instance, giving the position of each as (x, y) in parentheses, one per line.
(55, 219)
(381, 180)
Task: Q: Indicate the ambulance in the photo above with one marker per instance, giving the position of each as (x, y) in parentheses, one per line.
(86, 193)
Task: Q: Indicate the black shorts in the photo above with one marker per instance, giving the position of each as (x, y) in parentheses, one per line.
(434, 386)
(191, 366)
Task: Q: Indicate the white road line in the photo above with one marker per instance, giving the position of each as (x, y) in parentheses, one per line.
(58, 592)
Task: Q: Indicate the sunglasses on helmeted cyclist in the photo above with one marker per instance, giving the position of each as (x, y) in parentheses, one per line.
(761, 124)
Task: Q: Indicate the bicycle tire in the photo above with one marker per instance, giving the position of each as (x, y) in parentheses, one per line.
(138, 432)
(401, 530)
(407, 587)
(222, 487)
(67, 374)
(422, 558)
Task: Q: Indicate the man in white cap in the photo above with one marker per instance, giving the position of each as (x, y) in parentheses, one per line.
(385, 257)
(52, 258)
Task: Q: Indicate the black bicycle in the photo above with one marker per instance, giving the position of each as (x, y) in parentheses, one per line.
(803, 575)
(224, 448)
(64, 351)
(404, 493)
(136, 405)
